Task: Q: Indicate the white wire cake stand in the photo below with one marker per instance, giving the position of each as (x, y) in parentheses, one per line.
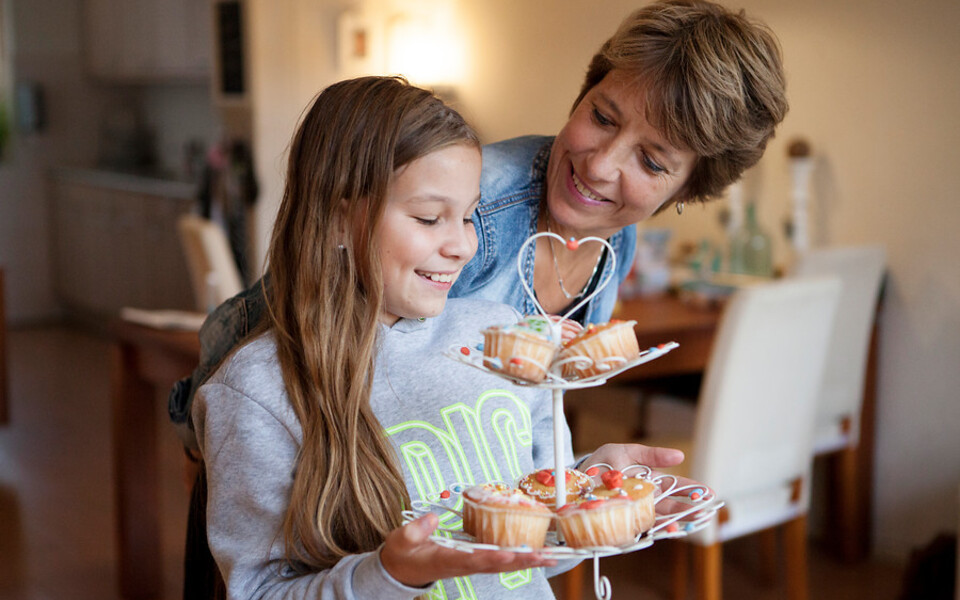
(691, 506)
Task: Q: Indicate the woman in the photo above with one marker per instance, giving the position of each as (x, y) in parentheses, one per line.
(675, 106)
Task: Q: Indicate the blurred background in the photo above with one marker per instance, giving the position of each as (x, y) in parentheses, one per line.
(118, 116)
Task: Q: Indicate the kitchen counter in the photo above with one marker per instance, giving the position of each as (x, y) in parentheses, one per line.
(152, 184)
(115, 241)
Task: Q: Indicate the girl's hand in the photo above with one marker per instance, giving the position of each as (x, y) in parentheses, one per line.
(411, 557)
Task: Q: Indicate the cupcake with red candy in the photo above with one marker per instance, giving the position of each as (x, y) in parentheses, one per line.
(503, 516)
(640, 492)
(599, 348)
(598, 522)
(523, 350)
(542, 486)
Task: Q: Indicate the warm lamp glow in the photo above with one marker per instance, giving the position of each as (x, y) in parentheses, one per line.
(424, 49)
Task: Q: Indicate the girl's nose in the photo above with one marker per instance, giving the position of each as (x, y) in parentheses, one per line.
(460, 242)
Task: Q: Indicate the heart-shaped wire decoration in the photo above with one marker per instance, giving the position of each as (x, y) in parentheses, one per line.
(573, 245)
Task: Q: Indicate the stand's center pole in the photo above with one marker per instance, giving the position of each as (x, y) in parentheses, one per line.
(560, 471)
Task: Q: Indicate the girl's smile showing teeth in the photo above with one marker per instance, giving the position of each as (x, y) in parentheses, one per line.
(439, 277)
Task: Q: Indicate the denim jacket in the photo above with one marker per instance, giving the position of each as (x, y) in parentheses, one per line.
(511, 186)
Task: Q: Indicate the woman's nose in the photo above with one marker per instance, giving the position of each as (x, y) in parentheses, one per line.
(605, 162)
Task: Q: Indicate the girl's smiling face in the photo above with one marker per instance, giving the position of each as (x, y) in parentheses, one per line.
(426, 235)
(609, 167)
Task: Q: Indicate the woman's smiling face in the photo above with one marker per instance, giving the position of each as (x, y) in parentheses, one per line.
(609, 167)
(426, 235)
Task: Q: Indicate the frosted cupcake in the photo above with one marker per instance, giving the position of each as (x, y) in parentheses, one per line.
(600, 348)
(504, 516)
(598, 522)
(523, 350)
(542, 486)
(639, 491)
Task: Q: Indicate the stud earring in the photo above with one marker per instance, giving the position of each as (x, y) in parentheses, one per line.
(680, 207)
(341, 247)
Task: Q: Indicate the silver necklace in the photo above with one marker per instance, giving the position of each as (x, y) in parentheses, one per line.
(556, 268)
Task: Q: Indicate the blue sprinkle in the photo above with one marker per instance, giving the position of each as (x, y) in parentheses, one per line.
(652, 349)
(699, 491)
(496, 363)
(688, 527)
(456, 488)
(480, 346)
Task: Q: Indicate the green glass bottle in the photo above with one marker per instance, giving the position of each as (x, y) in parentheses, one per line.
(751, 252)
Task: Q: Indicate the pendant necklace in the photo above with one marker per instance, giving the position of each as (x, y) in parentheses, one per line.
(556, 267)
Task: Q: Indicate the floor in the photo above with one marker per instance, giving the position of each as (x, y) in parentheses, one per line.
(56, 504)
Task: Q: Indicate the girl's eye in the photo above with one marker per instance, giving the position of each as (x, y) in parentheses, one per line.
(600, 118)
(427, 221)
(468, 220)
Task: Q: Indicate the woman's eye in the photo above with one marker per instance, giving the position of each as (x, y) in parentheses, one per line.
(653, 166)
(600, 118)
(427, 220)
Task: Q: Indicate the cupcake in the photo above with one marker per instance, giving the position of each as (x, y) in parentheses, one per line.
(541, 486)
(599, 348)
(504, 516)
(598, 522)
(523, 350)
(639, 491)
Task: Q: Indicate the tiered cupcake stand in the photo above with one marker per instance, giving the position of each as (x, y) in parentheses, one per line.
(691, 506)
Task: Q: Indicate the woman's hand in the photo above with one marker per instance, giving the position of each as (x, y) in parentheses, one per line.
(414, 560)
(620, 456)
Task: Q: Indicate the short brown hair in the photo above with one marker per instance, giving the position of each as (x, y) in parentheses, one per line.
(713, 83)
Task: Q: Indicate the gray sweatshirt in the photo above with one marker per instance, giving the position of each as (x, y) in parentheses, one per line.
(449, 423)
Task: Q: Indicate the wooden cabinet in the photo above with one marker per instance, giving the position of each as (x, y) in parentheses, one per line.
(148, 40)
(115, 245)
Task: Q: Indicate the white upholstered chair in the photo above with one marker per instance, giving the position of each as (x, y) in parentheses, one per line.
(214, 274)
(753, 432)
(838, 424)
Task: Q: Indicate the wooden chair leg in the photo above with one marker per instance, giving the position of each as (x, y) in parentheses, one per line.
(572, 582)
(708, 569)
(768, 555)
(795, 555)
(681, 571)
(847, 503)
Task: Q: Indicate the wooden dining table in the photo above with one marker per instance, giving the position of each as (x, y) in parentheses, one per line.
(147, 361)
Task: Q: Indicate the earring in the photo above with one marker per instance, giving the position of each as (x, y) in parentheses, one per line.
(680, 207)
(341, 247)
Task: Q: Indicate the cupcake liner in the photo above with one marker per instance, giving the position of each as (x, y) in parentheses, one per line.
(610, 524)
(510, 526)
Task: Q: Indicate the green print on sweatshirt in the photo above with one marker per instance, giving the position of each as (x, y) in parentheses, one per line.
(506, 429)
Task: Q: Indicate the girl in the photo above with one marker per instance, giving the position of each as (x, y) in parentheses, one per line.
(318, 431)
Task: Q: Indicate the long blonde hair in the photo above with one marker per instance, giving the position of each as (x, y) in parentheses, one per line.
(325, 298)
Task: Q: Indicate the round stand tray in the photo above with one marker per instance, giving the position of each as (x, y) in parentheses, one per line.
(474, 357)
(691, 508)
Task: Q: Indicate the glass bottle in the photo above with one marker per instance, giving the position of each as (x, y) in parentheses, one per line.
(750, 247)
